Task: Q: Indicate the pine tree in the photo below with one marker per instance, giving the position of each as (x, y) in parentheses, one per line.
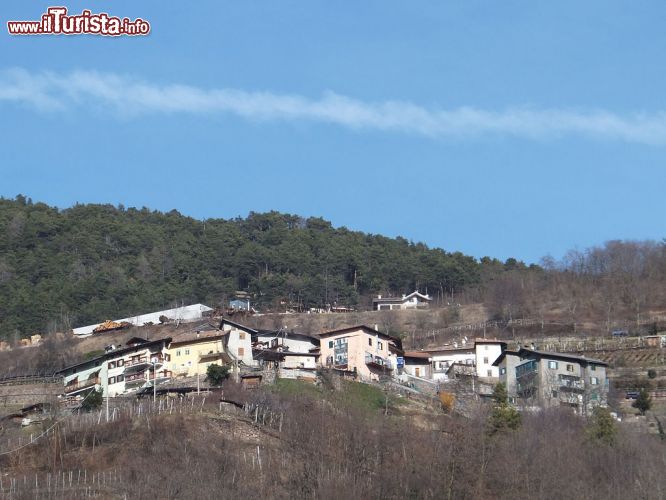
(504, 416)
(601, 427)
(643, 402)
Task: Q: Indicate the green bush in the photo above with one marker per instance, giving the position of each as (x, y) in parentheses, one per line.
(504, 416)
(601, 427)
(93, 401)
(217, 374)
(644, 402)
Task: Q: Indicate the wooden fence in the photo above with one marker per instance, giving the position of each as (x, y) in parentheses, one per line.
(79, 483)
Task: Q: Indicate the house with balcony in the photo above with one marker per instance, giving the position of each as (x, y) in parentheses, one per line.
(414, 300)
(442, 358)
(295, 354)
(120, 370)
(193, 352)
(547, 379)
(362, 350)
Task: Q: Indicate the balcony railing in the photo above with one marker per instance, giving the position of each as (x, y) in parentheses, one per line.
(136, 361)
(141, 377)
(572, 384)
(443, 369)
(210, 355)
(81, 385)
(377, 361)
(160, 375)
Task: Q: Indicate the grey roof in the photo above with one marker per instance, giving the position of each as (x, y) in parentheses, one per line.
(522, 352)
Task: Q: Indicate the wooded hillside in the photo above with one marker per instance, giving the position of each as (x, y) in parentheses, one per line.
(62, 268)
(88, 263)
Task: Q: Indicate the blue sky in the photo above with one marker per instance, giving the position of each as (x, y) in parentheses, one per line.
(504, 129)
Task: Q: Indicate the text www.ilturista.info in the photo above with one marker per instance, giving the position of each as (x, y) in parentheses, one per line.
(56, 22)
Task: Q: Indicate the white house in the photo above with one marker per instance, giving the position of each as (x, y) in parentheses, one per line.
(121, 370)
(238, 341)
(442, 359)
(183, 314)
(286, 341)
(289, 350)
(486, 352)
(414, 300)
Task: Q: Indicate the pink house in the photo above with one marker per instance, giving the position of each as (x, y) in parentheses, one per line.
(359, 349)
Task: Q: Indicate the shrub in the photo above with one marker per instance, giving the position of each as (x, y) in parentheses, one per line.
(217, 374)
(504, 416)
(652, 373)
(93, 400)
(602, 427)
(643, 402)
(448, 401)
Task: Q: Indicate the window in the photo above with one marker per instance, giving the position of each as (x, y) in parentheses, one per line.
(552, 365)
(554, 393)
(593, 368)
(594, 381)
(330, 344)
(502, 371)
(121, 362)
(369, 342)
(120, 378)
(570, 368)
(380, 345)
(178, 352)
(187, 352)
(112, 380)
(490, 373)
(241, 335)
(112, 364)
(485, 361)
(241, 351)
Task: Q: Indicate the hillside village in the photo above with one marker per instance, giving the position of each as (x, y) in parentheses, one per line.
(172, 350)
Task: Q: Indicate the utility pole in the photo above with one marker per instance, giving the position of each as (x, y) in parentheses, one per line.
(154, 382)
(104, 383)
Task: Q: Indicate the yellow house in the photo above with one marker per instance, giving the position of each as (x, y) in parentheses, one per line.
(192, 352)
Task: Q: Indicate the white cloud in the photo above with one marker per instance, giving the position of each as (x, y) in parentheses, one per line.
(131, 96)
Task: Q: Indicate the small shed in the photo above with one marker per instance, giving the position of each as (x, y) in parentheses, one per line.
(251, 380)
